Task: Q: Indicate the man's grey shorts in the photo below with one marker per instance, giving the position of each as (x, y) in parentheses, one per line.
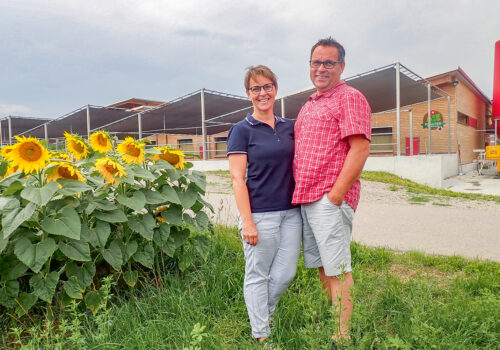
(326, 235)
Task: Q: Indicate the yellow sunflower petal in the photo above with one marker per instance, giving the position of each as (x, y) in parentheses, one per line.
(63, 170)
(76, 146)
(110, 169)
(173, 156)
(28, 155)
(132, 151)
(100, 141)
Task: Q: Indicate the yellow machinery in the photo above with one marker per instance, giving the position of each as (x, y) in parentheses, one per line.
(493, 153)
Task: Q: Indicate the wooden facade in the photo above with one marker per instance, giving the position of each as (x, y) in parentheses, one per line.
(466, 123)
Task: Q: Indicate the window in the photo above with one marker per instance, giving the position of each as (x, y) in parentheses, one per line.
(381, 140)
(186, 145)
(462, 118)
(220, 146)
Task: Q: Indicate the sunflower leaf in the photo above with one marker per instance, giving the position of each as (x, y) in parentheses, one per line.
(13, 188)
(73, 288)
(34, 255)
(136, 202)
(98, 236)
(25, 302)
(113, 216)
(130, 277)
(9, 293)
(71, 187)
(75, 250)
(113, 255)
(44, 287)
(14, 218)
(142, 173)
(66, 224)
(40, 195)
(173, 215)
(84, 274)
(153, 197)
(170, 194)
(143, 225)
(145, 256)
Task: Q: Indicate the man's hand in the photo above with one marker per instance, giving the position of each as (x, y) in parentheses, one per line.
(335, 198)
(250, 234)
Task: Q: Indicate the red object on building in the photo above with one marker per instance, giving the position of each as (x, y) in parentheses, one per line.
(473, 122)
(496, 87)
(416, 146)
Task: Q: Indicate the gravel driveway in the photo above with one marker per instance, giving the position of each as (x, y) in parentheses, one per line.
(389, 216)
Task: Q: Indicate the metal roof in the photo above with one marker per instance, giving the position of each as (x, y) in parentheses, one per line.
(183, 115)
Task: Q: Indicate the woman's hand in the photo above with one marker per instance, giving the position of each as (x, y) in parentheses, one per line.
(249, 231)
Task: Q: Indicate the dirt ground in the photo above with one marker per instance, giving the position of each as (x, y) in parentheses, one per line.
(389, 216)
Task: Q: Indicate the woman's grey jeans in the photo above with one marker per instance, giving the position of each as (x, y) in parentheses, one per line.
(270, 265)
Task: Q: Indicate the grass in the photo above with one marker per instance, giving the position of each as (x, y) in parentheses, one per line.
(402, 301)
(398, 183)
(413, 187)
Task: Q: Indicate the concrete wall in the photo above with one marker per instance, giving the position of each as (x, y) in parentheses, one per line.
(424, 169)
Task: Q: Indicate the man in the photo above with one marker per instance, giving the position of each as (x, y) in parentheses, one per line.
(332, 142)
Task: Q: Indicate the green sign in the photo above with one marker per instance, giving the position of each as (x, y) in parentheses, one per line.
(436, 121)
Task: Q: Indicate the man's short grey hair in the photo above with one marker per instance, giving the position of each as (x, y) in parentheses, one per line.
(332, 43)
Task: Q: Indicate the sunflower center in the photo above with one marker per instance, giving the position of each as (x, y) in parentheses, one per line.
(170, 157)
(66, 173)
(77, 147)
(101, 140)
(30, 151)
(133, 151)
(110, 169)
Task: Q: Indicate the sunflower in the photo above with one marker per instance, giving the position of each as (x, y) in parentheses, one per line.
(28, 155)
(173, 156)
(6, 150)
(59, 155)
(109, 169)
(10, 170)
(100, 141)
(132, 150)
(76, 146)
(63, 170)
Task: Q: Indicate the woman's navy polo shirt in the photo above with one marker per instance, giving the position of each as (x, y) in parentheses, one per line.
(269, 161)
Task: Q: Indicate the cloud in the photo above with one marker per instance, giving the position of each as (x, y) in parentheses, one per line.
(15, 110)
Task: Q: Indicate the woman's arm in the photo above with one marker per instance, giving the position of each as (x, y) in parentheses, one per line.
(237, 169)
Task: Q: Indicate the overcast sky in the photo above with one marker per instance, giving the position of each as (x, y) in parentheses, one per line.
(59, 55)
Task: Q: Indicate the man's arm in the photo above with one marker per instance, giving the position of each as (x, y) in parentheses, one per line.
(353, 165)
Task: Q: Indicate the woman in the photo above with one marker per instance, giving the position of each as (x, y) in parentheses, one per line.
(260, 148)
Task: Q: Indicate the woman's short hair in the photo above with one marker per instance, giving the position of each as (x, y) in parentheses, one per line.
(254, 71)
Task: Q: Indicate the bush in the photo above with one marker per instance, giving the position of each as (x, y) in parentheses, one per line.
(68, 220)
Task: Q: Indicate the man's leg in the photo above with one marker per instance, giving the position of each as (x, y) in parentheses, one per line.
(339, 291)
(331, 226)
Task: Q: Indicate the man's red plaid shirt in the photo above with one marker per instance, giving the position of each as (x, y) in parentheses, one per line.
(321, 145)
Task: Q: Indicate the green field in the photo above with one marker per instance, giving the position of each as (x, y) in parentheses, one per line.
(402, 301)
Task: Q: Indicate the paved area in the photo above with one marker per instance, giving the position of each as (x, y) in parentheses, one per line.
(404, 222)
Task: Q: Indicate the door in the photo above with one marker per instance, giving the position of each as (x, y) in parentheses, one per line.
(416, 146)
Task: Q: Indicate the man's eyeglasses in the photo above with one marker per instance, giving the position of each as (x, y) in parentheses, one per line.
(327, 64)
(256, 89)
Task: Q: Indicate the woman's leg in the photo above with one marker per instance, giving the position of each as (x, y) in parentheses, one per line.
(284, 266)
(258, 261)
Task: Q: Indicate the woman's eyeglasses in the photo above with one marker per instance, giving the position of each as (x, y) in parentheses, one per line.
(256, 89)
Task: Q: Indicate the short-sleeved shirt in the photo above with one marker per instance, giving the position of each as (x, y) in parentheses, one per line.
(269, 153)
(321, 141)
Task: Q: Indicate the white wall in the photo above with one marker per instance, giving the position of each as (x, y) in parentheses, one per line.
(429, 170)
(424, 169)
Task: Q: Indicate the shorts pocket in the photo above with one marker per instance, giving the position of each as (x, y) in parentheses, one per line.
(258, 217)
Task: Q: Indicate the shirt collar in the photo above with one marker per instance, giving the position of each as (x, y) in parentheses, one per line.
(327, 93)
(252, 121)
